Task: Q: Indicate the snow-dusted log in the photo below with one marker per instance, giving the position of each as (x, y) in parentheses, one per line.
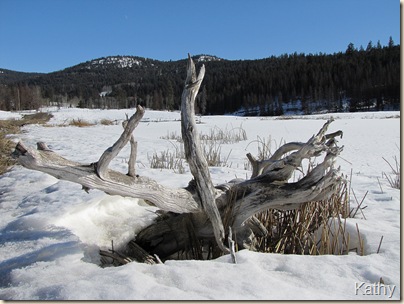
(201, 207)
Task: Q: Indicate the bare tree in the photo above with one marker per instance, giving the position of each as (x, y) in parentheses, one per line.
(203, 208)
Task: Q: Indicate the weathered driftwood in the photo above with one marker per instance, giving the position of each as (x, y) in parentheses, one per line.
(199, 212)
(194, 153)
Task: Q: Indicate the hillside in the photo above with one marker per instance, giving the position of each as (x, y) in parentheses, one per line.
(355, 80)
(9, 76)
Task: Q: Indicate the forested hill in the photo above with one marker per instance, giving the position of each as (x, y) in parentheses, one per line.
(10, 77)
(354, 80)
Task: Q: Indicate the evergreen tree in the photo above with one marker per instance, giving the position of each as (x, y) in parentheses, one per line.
(350, 49)
(391, 42)
(369, 46)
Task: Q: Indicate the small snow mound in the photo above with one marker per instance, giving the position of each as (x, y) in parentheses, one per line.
(106, 219)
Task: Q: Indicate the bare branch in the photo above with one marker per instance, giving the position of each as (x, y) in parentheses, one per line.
(113, 151)
(193, 152)
(133, 151)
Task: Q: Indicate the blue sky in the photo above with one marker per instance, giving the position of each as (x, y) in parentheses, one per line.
(50, 35)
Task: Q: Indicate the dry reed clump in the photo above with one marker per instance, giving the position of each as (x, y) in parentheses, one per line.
(81, 123)
(211, 144)
(395, 180)
(217, 135)
(226, 136)
(175, 160)
(213, 155)
(169, 160)
(314, 229)
(173, 136)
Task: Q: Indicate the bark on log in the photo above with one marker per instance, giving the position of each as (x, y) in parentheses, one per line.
(201, 207)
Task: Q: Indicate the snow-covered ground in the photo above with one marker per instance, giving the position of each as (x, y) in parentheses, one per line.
(51, 230)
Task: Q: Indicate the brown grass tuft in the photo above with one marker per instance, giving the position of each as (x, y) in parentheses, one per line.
(81, 123)
(107, 122)
(13, 126)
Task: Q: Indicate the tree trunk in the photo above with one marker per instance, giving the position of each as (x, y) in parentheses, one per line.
(200, 212)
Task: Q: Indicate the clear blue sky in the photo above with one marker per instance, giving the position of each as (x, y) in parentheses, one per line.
(50, 35)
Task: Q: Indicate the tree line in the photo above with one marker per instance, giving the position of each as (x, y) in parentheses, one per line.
(359, 79)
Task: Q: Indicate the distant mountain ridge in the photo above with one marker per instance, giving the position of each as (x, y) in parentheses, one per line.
(135, 62)
(354, 80)
(118, 61)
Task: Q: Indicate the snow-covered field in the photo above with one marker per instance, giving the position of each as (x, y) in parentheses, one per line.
(51, 230)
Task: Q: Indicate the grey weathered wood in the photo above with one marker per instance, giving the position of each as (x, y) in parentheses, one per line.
(133, 151)
(132, 157)
(110, 153)
(194, 152)
(174, 200)
(232, 246)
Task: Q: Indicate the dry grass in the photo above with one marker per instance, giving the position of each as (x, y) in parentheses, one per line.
(213, 155)
(173, 136)
(81, 123)
(7, 127)
(169, 160)
(108, 122)
(226, 136)
(211, 145)
(13, 126)
(217, 135)
(175, 159)
(395, 180)
(316, 228)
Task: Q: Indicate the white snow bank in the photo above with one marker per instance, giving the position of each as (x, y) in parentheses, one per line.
(51, 230)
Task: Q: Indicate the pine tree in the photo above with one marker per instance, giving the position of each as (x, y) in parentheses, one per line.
(370, 46)
(391, 42)
(350, 49)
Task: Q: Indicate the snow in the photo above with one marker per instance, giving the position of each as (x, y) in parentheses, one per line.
(207, 58)
(118, 61)
(8, 115)
(51, 230)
